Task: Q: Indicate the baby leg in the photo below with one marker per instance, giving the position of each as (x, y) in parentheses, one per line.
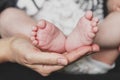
(108, 35)
(108, 38)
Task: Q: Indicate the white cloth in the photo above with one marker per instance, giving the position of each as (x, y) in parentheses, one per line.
(88, 65)
(64, 13)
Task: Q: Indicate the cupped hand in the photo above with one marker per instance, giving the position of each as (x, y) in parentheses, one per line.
(24, 53)
(71, 57)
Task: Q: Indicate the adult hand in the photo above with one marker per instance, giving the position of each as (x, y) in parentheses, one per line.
(71, 57)
(24, 53)
(113, 5)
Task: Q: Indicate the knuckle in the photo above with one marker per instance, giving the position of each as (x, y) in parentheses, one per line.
(27, 59)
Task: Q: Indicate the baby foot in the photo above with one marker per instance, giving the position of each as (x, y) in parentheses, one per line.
(84, 32)
(48, 37)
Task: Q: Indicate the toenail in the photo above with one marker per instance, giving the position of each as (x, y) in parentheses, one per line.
(93, 24)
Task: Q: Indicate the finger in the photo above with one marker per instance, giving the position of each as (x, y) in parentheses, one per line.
(78, 53)
(95, 48)
(46, 58)
(45, 70)
(33, 55)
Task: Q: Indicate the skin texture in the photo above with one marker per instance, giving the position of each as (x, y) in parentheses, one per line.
(48, 37)
(108, 38)
(110, 54)
(42, 62)
(20, 50)
(25, 24)
(84, 32)
(107, 55)
(113, 5)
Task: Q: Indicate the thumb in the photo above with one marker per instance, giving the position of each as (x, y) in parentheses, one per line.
(47, 58)
(78, 53)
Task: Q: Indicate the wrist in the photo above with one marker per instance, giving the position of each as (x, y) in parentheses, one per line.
(5, 49)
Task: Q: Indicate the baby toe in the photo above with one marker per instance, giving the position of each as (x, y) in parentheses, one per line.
(95, 19)
(35, 42)
(91, 35)
(41, 24)
(34, 28)
(95, 29)
(32, 38)
(33, 33)
(89, 15)
(93, 23)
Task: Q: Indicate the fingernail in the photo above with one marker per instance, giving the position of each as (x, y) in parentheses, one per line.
(62, 61)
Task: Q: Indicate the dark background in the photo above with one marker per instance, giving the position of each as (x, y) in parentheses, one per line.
(10, 71)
